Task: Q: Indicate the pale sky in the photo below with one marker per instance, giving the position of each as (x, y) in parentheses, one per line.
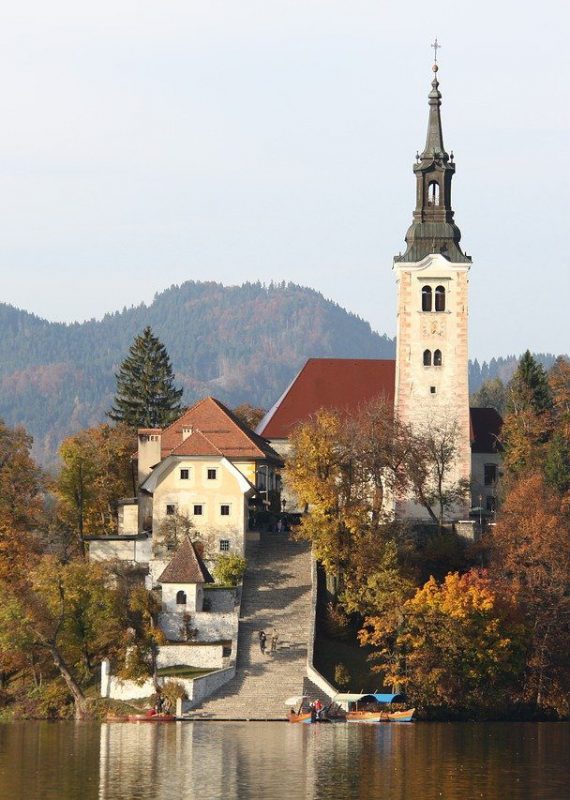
(147, 143)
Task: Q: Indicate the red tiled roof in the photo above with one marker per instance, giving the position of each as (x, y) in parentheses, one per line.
(222, 430)
(486, 424)
(185, 567)
(341, 384)
(196, 444)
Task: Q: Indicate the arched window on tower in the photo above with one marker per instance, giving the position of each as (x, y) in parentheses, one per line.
(427, 358)
(433, 193)
(426, 298)
(439, 298)
(180, 598)
(437, 358)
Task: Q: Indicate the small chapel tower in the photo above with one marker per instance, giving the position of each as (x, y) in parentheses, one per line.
(432, 278)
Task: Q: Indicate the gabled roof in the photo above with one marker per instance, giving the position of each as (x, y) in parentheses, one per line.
(340, 384)
(224, 432)
(196, 444)
(186, 567)
(486, 424)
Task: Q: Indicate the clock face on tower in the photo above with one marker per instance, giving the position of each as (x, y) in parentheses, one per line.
(433, 327)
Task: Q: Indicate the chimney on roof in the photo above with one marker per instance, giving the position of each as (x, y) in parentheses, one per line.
(149, 451)
(186, 432)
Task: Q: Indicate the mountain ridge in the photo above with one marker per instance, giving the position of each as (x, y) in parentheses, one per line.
(242, 343)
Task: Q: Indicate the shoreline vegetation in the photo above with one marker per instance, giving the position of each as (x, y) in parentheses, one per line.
(468, 630)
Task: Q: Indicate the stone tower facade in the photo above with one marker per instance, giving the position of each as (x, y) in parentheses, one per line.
(432, 278)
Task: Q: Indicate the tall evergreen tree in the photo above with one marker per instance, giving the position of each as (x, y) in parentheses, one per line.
(146, 395)
(529, 389)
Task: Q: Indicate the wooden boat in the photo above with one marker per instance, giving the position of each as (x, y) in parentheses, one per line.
(381, 716)
(299, 711)
(305, 718)
(374, 708)
(147, 717)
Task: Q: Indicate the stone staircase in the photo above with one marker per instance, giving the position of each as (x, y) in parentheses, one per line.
(276, 594)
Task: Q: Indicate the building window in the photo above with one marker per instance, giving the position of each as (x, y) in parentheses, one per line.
(212, 474)
(198, 510)
(181, 598)
(225, 510)
(440, 298)
(170, 509)
(184, 474)
(432, 389)
(427, 358)
(224, 545)
(426, 298)
(433, 193)
(490, 474)
(491, 503)
(437, 358)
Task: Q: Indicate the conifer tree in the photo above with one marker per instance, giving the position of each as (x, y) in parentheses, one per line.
(146, 395)
(528, 422)
(529, 389)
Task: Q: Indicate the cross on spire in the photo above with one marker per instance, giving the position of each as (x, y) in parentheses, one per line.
(436, 47)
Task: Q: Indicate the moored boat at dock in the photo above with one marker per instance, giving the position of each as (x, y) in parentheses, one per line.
(374, 707)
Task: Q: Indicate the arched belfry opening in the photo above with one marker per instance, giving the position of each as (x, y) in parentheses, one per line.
(440, 298)
(426, 298)
(433, 193)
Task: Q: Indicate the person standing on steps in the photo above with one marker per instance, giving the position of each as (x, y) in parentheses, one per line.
(262, 641)
(274, 640)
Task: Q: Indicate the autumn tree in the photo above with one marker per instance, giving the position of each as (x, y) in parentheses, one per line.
(172, 531)
(344, 471)
(531, 562)
(146, 395)
(342, 483)
(430, 459)
(249, 415)
(456, 645)
(559, 382)
(63, 611)
(96, 472)
(143, 636)
(22, 485)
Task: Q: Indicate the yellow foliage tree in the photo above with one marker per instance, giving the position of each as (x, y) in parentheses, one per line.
(95, 473)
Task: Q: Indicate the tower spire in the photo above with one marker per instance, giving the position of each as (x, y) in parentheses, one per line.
(434, 140)
(433, 229)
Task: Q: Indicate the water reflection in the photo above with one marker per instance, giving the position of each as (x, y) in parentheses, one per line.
(273, 761)
(277, 761)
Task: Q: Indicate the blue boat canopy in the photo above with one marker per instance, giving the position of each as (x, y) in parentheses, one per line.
(388, 698)
(385, 699)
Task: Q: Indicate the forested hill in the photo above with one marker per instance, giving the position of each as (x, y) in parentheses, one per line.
(502, 367)
(240, 343)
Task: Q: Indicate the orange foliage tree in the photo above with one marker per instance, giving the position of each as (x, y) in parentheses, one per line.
(455, 645)
(531, 563)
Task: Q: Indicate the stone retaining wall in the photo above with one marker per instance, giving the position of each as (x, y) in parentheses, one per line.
(202, 656)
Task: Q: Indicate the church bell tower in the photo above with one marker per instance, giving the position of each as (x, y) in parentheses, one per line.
(432, 278)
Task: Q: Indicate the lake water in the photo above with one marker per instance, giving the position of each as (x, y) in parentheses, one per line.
(270, 761)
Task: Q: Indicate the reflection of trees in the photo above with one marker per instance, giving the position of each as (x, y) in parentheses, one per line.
(247, 761)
